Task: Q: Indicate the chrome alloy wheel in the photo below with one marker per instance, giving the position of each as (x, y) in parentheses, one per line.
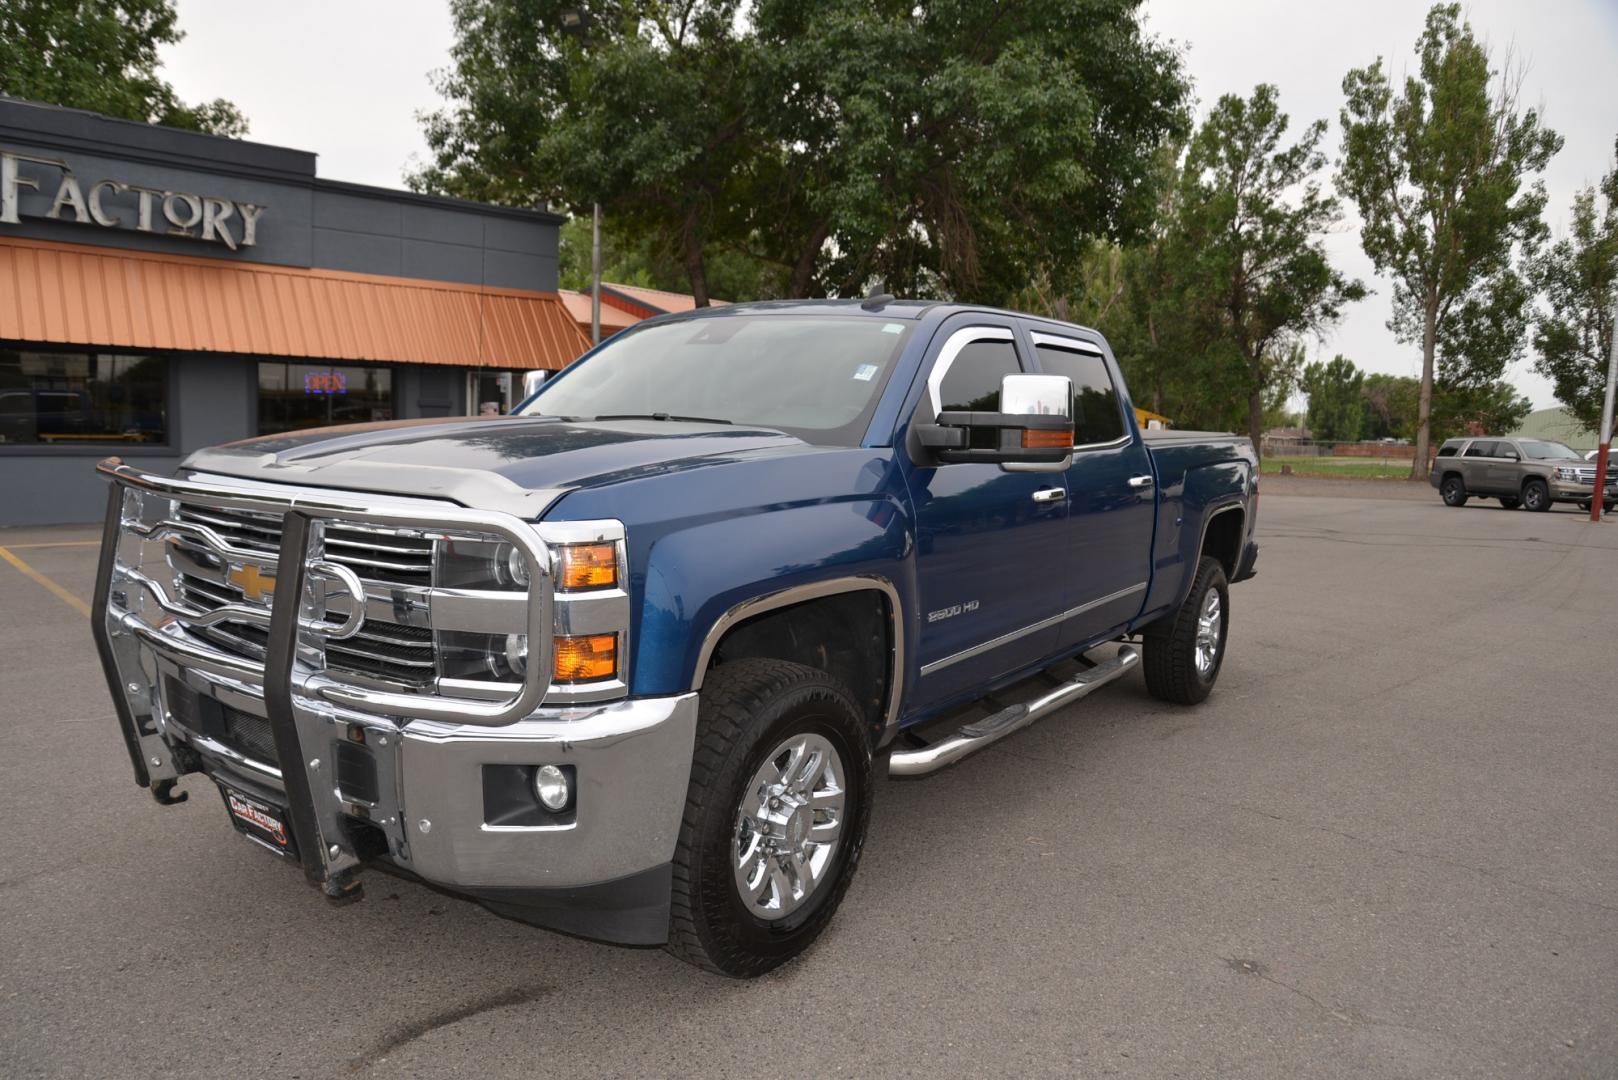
(787, 826)
(1209, 626)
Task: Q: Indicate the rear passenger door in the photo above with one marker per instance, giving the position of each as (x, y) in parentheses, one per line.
(1476, 463)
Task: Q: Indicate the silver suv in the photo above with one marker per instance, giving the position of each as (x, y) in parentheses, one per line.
(1530, 473)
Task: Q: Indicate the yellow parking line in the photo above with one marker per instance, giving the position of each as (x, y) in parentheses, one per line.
(60, 593)
(54, 543)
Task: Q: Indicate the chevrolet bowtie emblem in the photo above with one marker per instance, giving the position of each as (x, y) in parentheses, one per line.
(254, 583)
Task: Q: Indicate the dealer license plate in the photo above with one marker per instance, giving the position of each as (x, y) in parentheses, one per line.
(259, 821)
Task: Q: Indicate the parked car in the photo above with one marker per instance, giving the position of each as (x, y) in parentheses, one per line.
(626, 662)
(1531, 473)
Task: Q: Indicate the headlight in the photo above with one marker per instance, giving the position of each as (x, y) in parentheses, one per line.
(483, 564)
(1567, 474)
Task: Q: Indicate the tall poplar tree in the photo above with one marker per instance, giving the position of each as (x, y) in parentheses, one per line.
(1443, 176)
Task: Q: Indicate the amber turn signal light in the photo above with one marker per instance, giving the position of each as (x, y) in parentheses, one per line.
(589, 566)
(1046, 438)
(578, 659)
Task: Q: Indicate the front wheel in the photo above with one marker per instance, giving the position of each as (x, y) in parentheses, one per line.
(1536, 496)
(774, 819)
(1185, 648)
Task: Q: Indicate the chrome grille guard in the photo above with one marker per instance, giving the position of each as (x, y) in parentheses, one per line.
(292, 676)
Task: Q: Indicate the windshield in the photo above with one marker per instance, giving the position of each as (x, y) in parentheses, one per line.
(816, 377)
(1548, 451)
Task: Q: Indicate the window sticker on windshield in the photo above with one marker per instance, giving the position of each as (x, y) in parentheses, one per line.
(865, 372)
(893, 328)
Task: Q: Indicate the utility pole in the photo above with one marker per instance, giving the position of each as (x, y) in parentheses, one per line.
(1605, 452)
(596, 280)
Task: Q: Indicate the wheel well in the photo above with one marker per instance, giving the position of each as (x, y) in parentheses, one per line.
(1223, 539)
(1451, 473)
(847, 635)
(1530, 479)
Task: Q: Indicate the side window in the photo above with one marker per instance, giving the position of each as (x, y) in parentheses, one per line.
(1448, 450)
(972, 383)
(1480, 449)
(1507, 450)
(1096, 416)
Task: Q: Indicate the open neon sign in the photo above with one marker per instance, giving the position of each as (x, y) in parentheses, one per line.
(325, 382)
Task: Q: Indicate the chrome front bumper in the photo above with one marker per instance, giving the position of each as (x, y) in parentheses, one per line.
(424, 811)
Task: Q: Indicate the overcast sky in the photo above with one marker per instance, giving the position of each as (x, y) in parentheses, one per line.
(346, 79)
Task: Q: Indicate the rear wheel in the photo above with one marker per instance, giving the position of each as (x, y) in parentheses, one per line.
(1185, 649)
(1536, 496)
(774, 819)
(1453, 491)
(1510, 502)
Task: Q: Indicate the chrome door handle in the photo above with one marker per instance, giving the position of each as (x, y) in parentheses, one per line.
(1140, 483)
(1049, 495)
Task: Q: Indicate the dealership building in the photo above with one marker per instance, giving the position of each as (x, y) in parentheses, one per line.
(164, 290)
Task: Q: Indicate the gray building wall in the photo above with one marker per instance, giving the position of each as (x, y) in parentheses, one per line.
(307, 222)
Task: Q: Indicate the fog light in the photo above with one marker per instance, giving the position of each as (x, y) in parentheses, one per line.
(550, 784)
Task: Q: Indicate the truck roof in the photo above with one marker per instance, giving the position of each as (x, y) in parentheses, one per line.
(914, 310)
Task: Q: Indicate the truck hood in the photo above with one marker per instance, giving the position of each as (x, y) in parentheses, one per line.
(517, 464)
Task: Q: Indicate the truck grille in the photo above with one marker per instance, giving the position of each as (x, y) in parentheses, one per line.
(383, 650)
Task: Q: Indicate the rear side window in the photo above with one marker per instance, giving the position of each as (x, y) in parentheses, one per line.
(1096, 415)
(972, 383)
(1480, 449)
(1448, 449)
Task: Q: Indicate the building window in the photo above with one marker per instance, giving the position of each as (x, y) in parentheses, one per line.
(73, 397)
(292, 397)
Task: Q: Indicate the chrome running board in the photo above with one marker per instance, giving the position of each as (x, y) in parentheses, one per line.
(975, 736)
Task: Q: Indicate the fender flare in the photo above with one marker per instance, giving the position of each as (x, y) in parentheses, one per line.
(797, 594)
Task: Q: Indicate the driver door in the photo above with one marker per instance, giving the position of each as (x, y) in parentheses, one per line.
(990, 539)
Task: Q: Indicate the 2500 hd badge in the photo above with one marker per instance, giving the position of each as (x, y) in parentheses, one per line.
(629, 662)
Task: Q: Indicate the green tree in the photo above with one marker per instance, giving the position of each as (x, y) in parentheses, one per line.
(1246, 246)
(642, 260)
(1336, 391)
(1578, 276)
(102, 56)
(945, 149)
(1490, 408)
(957, 148)
(1440, 175)
(1391, 405)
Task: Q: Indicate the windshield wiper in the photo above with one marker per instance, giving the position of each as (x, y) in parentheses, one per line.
(663, 416)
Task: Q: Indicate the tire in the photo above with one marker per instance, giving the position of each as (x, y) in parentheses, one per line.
(1536, 496)
(1173, 643)
(751, 714)
(1453, 489)
(1510, 502)
(1585, 506)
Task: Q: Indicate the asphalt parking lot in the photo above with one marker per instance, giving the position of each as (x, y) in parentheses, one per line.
(1387, 846)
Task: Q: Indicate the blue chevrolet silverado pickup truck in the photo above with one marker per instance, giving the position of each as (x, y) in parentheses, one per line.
(626, 662)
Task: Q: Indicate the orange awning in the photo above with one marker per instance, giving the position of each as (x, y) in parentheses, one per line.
(80, 295)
